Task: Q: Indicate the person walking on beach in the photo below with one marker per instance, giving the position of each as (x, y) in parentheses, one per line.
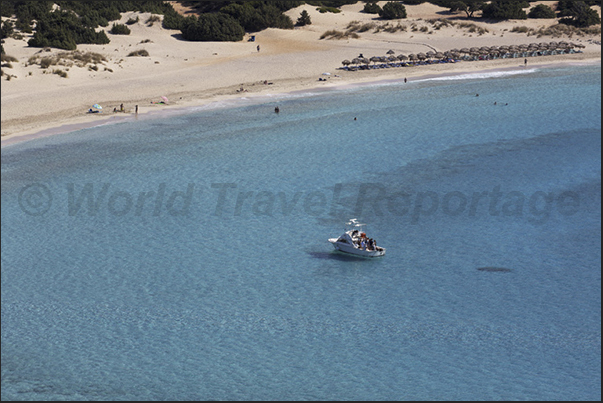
(136, 109)
(525, 62)
(258, 48)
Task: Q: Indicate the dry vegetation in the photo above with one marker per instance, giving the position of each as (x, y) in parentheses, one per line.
(472, 28)
(152, 19)
(140, 52)
(430, 25)
(7, 59)
(334, 34)
(558, 31)
(67, 59)
(427, 26)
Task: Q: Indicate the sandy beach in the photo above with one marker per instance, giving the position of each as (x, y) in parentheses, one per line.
(188, 74)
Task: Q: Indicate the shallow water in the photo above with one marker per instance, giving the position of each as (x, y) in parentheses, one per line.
(200, 269)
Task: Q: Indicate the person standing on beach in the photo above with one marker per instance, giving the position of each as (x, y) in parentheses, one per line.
(136, 109)
(525, 62)
(258, 48)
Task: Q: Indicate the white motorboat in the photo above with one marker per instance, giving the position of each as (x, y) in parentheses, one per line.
(356, 242)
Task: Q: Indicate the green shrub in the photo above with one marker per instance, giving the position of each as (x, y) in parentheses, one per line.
(467, 7)
(325, 9)
(212, 27)
(257, 16)
(505, 10)
(172, 20)
(304, 19)
(132, 20)
(63, 30)
(120, 29)
(7, 29)
(393, 11)
(541, 11)
(579, 14)
(371, 8)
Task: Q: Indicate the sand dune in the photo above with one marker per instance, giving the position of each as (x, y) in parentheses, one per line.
(196, 73)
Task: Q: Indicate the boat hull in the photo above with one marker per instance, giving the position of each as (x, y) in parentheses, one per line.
(342, 247)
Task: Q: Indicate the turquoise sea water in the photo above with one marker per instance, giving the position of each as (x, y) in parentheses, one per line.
(187, 257)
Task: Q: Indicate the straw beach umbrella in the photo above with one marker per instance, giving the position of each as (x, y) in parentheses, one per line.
(390, 52)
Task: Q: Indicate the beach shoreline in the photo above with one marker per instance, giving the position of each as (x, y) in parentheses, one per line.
(263, 96)
(203, 75)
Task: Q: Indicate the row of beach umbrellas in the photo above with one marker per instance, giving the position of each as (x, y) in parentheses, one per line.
(474, 51)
